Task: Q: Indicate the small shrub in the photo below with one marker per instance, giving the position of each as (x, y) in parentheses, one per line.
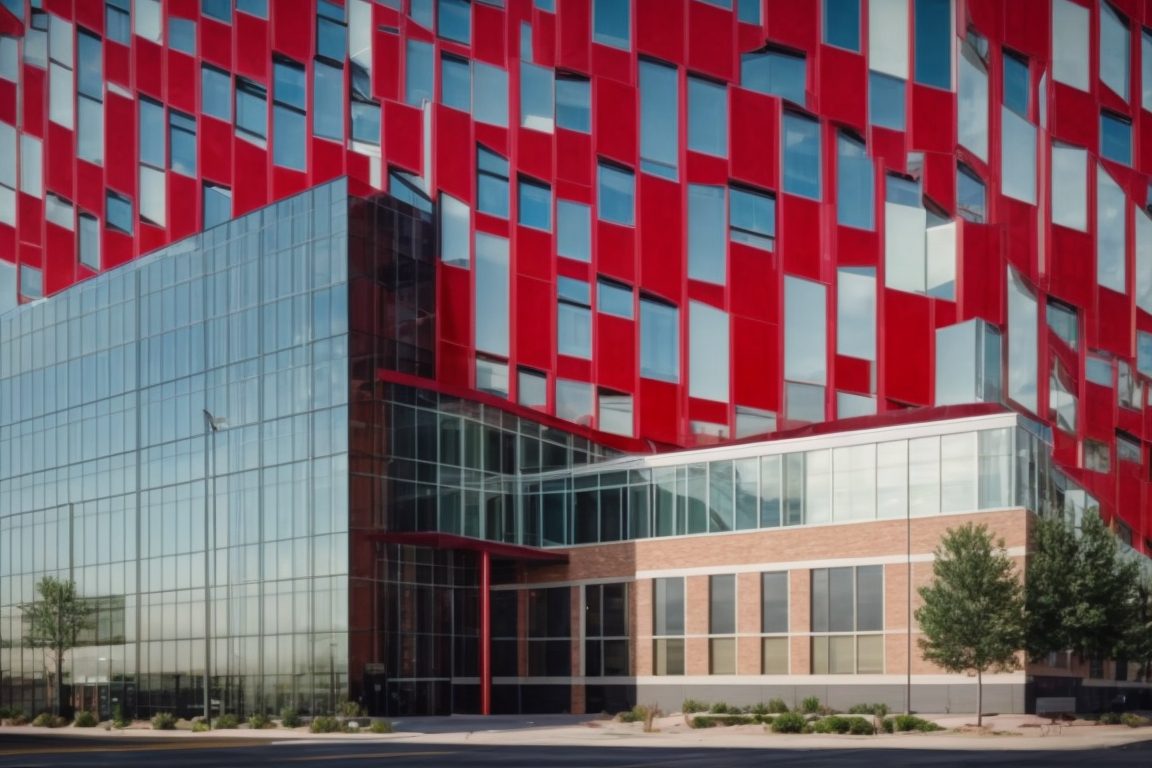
(200, 727)
(225, 722)
(789, 722)
(381, 726)
(85, 719)
(260, 720)
(349, 709)
(759, 708)
(1133, 720)
(634, 715)
(1109, 718)
(861, 727)
(720, 708)
(48, 720)
(5, 713)
(887, 724)
(777, 706)
(904, 723)
(832, 724)
(868, 709)
(691, 706)
(163, 721)
(118, 719)
(700, 721)
(324, 724)
(289, 717)
(17, 717)
(810, 705)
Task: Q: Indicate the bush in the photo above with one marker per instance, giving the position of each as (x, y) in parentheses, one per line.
(777, 706)
(349, 709)
(163, 721)
(691, 706)
(861, 727)
(260, 720)
(200, 727)
(85, 719)
(887, 724)
(868, 709)
(904, 723)
(810, 705)
(289, 717)
(758, 709)
(634, 715)
(1109, 718)
(700, 721)
(720, 708)
(118, 719)
(789, 722)
(48, 720)
(381, 726)
(324, 724)
(5, 713)
(226, 721)
(1133, 720)
(832, 724)
(17, 717)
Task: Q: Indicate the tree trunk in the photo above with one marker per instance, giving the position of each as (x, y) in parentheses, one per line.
(979, 698)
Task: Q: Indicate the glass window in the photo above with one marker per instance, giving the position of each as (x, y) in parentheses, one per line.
(933, 48)
(9, 59)
(780, 73)
(752, 218)
(573, 103)
(1097, 457)
(1022, 342)
(147, 18)
(456, 83)
(182, 143)
(152, 133)
(611, 23)
(418, 75)
(805, 345)
(574, 401)
(182, 35)
(1063, 321)
(854, 183)
(573, 318)
(90, 130)
(1098, 370)
(972, 96)
(1016, 85)
(118, 212)
(1115, 138)
(455, 232)
(61, 93)
(1145, 70)
(90, 66)
(1070, 27)
(421, 12)
(1144, 352)
(217, 9)
(1070, 186)
(615, 414)
(409, 188)
(659, 340)
(535, 204)
(722, 621)
(89, 247)
(801, 155)
(545, 5)
(707, 117)
(331, 33)
(251, 110)
(856, 312)
(774, 602)
(707, 246)
(491, 303)
(31, 282)
(842, 23)
(492, 377)
(288, 148)
(328, 96)
(1111, 235)
(216, 93)
(365, 122)
(536, 105)
(1128, 448)
(491, 183)
(31, 171)
(117, 22)
(707, 352)
(885, 101)
(612, 298)
(573, 230)
(257, 8)
(59, 211)
(659, 119)
(616, 194)
(217, 205)
(8, 146)
(1018, 157)
(456, 20)
(1114, 41)
(532, 388)
(748, 11)
(526, 41)
(970, 197)
(490, 94)
(152, 198)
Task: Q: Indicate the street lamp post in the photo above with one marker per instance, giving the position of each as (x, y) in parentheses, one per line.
(212, 425)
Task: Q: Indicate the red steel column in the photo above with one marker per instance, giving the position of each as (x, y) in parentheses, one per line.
(485, 633)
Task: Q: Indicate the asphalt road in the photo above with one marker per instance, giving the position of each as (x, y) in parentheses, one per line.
(39, 752)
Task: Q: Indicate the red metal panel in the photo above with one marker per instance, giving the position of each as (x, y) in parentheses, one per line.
(534, 329)
(707, 24)
(660, 28)
(613, 105)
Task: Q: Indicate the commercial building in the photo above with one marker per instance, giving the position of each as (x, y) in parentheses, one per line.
(534, 355)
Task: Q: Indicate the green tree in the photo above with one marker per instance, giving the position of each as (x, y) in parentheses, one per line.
(54, 622)
(1137, 641)
(972, 618)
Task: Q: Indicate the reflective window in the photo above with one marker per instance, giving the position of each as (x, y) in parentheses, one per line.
(573, 110)
(722, 621)
(257, 8)
(365, 121)
(9, 59)
(972, 96)
(842, 23)
(1111, 235)
(748, 11)
(182, 35)
(707, 352)
(220, 10)
(659, 340)
(612, 298)
(491, 183)
(885, 101)
(328, 98)
(526, 42)
(1143, 260)
(8, 153)
(573, 230)
(421, 12)
(217, 205)
(1116, 138)
(118, 21)
(801, 141)
(611, 23)
(933, 46)
(1022, 342)
(532, 388)
(854, 183)
(418, 73)
(707, 246)
(31, 282)
(251, 110)
(668, 622)
(573, 318)
(1114, 40)
(152, 133)
(536, 104)
(1062, 397)
(780, 73)
(1070, 25)
(856, 312)
(1016, 83)
(707, 117)
(752, 218)
(805, 335)
(492, 376)
(408, 188)
(1018, 156)
(182, 143)
(1145, 69)
(61, 92)
(1128, 448)
(574, 401)
(615, 414)
(535, 204)
(455, 83)
(1064, 323)
(659, 119)
(152, 197)
(456, 20)
(1097, 457)
(545, 5)
(90, 130)
(59, 211)
(491, 303)
(1070, 186)
(215, 93)
(288, 114)
(1144, 352)
(617, 188)
(331, 33)
(455, 232)
(1098, 370)
(490, 94)
(118, 212)
(970, 195)
(88, 249)
(31, 170)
